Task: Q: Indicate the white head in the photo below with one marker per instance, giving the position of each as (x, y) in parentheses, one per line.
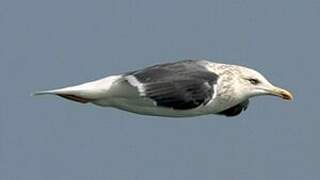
(246, 82)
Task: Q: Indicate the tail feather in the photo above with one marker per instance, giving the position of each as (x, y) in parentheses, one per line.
(38, 93)
(67, 93)
(75, 98)
(84, 93)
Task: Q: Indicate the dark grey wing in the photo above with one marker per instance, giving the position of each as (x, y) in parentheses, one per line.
(180, 94)
(194, 69)
(180, 85)
(235, 110)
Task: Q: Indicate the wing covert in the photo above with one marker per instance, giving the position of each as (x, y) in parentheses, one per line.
(181, 95)
(181, 85)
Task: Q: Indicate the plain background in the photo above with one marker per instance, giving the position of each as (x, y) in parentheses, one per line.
(49, 44)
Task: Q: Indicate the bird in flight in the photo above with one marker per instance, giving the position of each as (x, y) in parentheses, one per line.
(179, 89)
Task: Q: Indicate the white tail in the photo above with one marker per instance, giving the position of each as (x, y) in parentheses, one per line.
(72, 93)
(84, 93)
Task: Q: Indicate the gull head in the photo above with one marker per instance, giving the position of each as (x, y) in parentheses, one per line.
(247, 83)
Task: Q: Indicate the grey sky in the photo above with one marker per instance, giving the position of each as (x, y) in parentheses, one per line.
(48, 44)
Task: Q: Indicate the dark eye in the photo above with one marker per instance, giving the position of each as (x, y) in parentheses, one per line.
(254, 81)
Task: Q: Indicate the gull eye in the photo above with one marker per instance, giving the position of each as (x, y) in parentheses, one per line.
(254, 81)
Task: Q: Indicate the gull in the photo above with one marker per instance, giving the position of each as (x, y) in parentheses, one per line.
(178, 89)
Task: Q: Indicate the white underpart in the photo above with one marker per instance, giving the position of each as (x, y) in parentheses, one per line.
(135, 83)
